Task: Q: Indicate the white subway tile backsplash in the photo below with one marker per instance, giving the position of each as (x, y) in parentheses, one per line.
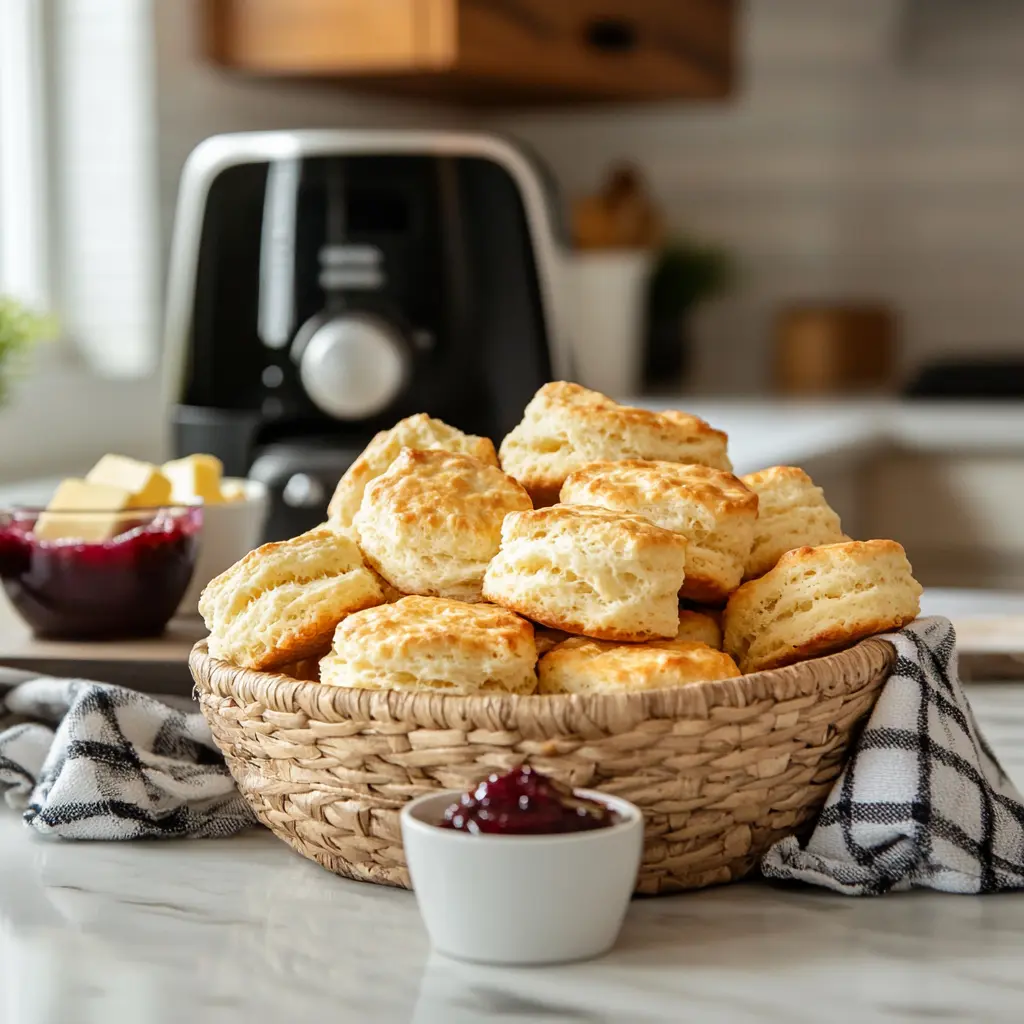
(841, 168)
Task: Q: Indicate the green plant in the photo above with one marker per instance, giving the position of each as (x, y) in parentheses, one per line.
(20, 330)
(687, 273)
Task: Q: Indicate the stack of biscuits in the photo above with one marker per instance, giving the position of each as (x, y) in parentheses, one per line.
(601, 549)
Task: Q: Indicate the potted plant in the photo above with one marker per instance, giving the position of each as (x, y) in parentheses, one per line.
(20, 330)
(685, 274)
(616, 233)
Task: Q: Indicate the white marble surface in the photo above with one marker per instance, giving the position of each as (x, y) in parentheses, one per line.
(764, 432)
(246, 930)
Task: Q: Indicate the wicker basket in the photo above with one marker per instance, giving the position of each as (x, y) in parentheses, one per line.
(721, 770)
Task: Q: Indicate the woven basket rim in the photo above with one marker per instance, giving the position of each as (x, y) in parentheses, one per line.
(830, 675)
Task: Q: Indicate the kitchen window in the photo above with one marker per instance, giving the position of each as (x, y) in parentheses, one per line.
(24, 198)
(78, 178)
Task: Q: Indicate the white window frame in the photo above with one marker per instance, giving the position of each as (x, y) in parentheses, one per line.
(25, 184)
(79, 192)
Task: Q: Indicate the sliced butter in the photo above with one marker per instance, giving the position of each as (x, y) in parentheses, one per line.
(195, 478)
(233, 490)
(146, 484)
(86, 511)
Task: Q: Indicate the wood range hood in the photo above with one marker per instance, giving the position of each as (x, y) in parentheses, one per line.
(479, 52)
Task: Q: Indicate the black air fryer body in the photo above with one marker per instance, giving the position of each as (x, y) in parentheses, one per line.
(326, 284)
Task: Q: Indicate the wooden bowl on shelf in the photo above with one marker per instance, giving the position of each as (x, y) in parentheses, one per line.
(835, 348)
(721, 770)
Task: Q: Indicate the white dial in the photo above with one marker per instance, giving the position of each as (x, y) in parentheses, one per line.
(353, 366)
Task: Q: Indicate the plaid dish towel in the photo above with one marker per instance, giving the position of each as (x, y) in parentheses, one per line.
(923, 802)
(87, 760)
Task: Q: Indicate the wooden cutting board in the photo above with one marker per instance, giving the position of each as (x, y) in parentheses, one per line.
(157, 665)
(991, 648)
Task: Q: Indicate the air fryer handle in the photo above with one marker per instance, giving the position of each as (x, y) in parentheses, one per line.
(229, 434)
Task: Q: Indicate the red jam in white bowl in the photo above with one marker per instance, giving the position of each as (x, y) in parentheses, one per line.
(524, 802)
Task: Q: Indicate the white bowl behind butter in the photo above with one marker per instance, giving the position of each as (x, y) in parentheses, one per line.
(234, 512)
(232, 527)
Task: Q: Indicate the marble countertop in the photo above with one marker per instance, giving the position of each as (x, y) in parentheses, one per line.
(246, 930)
(764, 431)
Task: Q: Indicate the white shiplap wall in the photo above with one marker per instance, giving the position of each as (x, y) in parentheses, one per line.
(848, 165)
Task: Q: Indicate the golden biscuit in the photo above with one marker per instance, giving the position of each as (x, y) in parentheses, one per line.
(432, 522)
(547, 638)
(390, 593)
(565, 426)
(792, 513)
(697, 627)
(588, 570)
(817, 600)
(282, 602)
(712, 509)
(694, 627)
(431, 643)
(582, 665)
(419, 431)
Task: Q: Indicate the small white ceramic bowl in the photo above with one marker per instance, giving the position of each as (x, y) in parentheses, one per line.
(522, 899)
(231, 530)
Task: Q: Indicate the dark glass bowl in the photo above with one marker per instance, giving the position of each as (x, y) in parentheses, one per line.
(128, 586)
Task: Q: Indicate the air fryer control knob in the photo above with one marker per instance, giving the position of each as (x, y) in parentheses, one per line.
(353, 366)
(303, 491)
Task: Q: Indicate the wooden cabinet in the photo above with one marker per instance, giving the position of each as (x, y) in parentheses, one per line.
(486, 51)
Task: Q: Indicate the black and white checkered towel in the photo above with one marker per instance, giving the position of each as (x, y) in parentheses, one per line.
(88, 760)
(923, 802)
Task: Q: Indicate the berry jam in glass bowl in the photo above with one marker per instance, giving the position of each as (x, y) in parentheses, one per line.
(126, 586)
(525, 803)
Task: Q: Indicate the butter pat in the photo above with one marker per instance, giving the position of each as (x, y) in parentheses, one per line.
(86, 511)
(195, 478)
(233, 490)
(145, 483)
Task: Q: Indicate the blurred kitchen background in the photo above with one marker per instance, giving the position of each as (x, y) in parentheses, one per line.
(800, 219)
